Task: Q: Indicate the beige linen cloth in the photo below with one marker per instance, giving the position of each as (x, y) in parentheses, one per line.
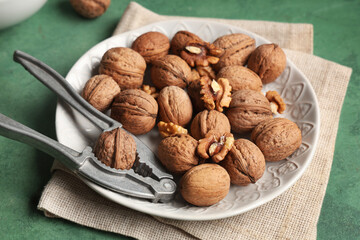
(292, 215)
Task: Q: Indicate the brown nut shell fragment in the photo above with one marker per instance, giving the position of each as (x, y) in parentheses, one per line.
(215, 94)
(100, 91)
(135, 110)
(178, 153)
(174, 106)
(180, 39)
(276, 102)
(90, 8)
(205, 184)
(236, 48)
(268, 61)
(207, 120)
(215, 145)
(170, 129)
(170, 70)
(151, 45)
(240, 77)
(247, 109)
(245, 163)
(116, 149)
(125, 66)
(200, 53)
(277, 138)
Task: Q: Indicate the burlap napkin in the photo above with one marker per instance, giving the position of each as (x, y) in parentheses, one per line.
(292, 215)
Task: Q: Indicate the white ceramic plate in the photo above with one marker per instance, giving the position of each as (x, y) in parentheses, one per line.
(76, 132)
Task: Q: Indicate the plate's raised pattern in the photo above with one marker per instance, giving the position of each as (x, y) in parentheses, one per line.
(292, 85)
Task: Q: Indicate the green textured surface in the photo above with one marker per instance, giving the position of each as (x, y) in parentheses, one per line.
(59, 37)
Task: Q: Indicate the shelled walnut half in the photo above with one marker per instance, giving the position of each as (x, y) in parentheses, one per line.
(215, 145)
(277, 104)
(215, 94)
(200, 53)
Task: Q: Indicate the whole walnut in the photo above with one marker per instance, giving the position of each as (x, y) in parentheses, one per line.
(237, 48)
(247, 109)
(180, 39)
(277, 138)
(174, 105)
(116, 149)
(178, 153)
(135, 110)
(245, 163)
(268, 61)
(170, 70)
(193, 90)
(151, 45)
(125, 66)
(209, 120)
(240, 77)
(90, 8)
(205, 184)
(100, 91)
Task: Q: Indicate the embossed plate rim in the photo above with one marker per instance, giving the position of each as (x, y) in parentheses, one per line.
(75, 131)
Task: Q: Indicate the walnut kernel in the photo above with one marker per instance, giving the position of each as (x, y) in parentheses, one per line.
(276, 102)
(215, 94)
(215, 145)
(200, 53)
(150, 90)
(170, 129)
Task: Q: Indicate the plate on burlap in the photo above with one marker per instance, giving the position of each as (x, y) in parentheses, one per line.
(77, 132)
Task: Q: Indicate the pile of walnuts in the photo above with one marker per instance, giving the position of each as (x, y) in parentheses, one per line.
(201, 93)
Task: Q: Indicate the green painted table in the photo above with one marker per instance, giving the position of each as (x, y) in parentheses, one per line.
(59, 37)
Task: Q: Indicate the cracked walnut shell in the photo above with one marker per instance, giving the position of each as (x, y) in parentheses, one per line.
(205, 184)
(277, 138)
(236, 48)
(180, 39)
(247, 109)
(215, 94)
(100, 91)
(268, 61)
(215, 145)
(245, 163)
(178, 153)
(116, 149)
(174, 105)
(200, 53)
(170, 70)
(206, 121)
(135, 110)
(125, 66)
(151, 45)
